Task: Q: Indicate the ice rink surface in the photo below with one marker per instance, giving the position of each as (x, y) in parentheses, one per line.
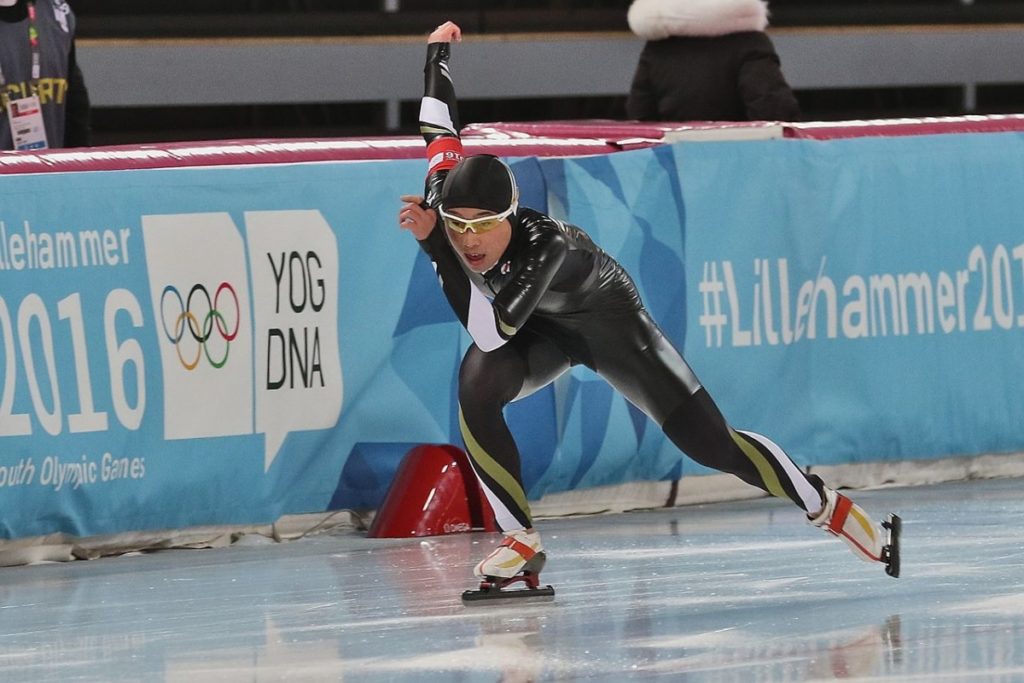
(743, 591)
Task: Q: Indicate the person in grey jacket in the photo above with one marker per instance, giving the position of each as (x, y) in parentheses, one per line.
(37, 60)
(707, 60)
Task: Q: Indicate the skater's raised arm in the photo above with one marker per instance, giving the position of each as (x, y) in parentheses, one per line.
(439, 114)
(479, 202)
(439, 126)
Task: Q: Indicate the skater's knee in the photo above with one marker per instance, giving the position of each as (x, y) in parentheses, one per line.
(489, 379)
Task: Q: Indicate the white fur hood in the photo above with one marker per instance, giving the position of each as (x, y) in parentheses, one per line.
(657, 19)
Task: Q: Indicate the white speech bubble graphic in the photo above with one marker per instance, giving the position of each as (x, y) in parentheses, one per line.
(200, 298)
(294, 261)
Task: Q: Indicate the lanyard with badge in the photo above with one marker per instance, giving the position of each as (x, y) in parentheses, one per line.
(25, 115)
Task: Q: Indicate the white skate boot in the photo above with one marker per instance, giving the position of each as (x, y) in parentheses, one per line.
(519, 557)
(869, 541)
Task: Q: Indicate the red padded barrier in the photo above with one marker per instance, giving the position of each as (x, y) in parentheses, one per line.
(897, 127)
(434, 492)
(547, 138)
(248, 152)
(619, 132)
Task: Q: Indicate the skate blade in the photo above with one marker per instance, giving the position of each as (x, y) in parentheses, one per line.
(891, 552)
(542, 594)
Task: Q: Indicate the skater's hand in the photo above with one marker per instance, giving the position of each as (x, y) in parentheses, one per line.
(446, 33)
(415, 218)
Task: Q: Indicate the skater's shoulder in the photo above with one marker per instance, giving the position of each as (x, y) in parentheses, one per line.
(531, 218)
(537, 223)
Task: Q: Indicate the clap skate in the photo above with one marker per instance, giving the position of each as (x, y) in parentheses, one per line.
(869, 541)
(519, 558)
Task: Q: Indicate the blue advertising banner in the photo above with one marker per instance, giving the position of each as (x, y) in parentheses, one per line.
(206, 346)
(860, 299)
(223, 346)
(209, 346)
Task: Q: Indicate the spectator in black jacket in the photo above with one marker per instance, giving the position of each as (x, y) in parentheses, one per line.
(39, 72)
(707, 60)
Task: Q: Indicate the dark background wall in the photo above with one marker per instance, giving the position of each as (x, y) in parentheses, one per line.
(207, 69)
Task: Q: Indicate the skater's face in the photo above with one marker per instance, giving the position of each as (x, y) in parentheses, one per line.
(480, 250)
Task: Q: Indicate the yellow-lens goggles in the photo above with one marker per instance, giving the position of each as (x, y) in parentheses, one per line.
(475, 225)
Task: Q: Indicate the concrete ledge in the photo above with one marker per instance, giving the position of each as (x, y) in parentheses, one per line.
(212, 71)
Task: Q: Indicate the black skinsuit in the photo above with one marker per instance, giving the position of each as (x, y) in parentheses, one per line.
(554, 299)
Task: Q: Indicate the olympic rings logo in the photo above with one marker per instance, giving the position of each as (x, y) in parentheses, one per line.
(200, 327)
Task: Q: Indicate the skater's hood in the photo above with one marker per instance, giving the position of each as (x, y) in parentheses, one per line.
(658, 19)
(481, 181)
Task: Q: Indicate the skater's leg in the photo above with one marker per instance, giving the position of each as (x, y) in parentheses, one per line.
(656, 378)
(487, 383)
(698, 428)
(645, 367)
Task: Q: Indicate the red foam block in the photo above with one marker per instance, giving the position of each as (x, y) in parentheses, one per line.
(434, 493)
